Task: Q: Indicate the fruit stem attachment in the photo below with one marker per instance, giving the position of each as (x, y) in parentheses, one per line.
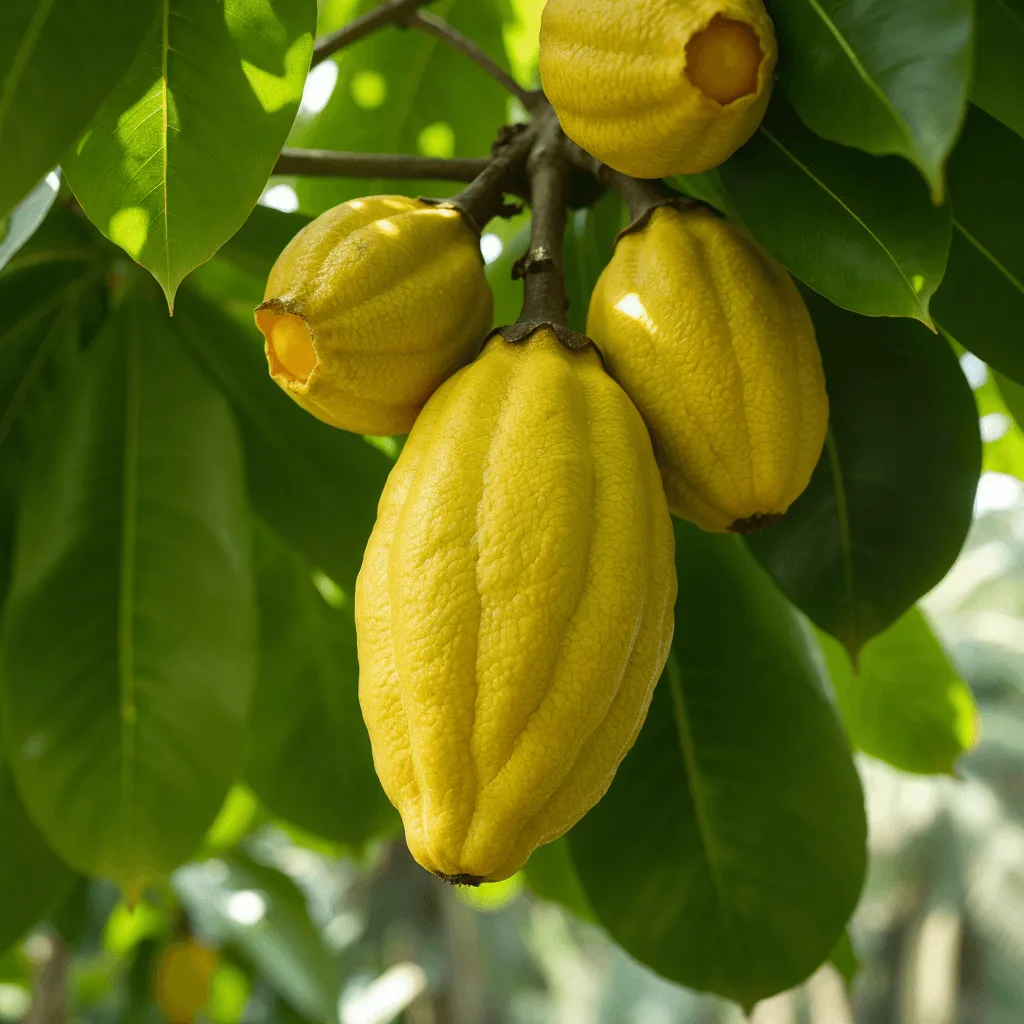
(394, 12)
(641, 194)
(541, 269)
(333, 163)
(484, 197)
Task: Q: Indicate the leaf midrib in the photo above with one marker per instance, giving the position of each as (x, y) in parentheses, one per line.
(835, 198)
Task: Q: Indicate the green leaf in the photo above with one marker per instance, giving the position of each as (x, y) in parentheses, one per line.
(254, 248)
(590, 242)
(59, 60)
(1003, 454)
(730, 850)
(845, 960)
(405, 92)
(507, 288)
(998, 86)
(981, 301)
(310, 758)
(859, 230)
(884, 76)
(63, 237)
(551, 874)
(133, 549)
(904, 703)
(261, 913)
(1013, 396)
(179, 155)
(890, 502)
(316, 486)
(26, 217)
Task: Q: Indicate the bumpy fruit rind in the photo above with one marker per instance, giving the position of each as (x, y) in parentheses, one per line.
(658, 87)
(712, 341)
(514, 608)
(371, 306)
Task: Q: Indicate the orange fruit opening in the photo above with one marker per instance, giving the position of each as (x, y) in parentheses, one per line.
(723, 60)
(289, 342)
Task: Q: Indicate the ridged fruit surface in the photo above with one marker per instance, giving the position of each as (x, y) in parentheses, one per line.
(514, 608)
(370, 307)
(658, 87)
(184, 976)
(710, 338)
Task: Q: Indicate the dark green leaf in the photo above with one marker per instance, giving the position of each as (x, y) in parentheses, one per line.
(25, 218)
(133, 548)
(59, 62)
(590, 241)
(316, 486)
(859, 230)
(904, 703)
(998, 85)
(551, 874)
(845, 960)
(981, 302)
(310, 758)
(730, 850)
(405, 92)
(254, 248)
(234, 900)
(886, 77)
(63, 237)
(181, 151)
(890, 502)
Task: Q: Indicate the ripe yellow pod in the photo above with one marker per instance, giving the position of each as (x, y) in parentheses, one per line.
(710, 338)
(658, 87)
(371, 306)
(515, 606)
(184, 975)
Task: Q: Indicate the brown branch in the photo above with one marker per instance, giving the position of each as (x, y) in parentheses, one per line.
(332, 163)
(427, 21)
(394, 12)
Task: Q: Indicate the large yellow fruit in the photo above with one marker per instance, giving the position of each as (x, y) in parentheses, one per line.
(514, 608)
(658, 87)
(371, 306)
(711, 339)
(184, 976)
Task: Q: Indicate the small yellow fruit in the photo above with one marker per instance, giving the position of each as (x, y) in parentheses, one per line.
(514, 608)
(658, 87)
(184, 975)
(712, 341)
(371, 306)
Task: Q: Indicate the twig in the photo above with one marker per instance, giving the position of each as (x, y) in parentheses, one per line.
(427, 21)
(393, 12)
(332, 163)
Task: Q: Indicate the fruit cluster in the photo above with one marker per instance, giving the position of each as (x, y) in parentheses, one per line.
(515, 604)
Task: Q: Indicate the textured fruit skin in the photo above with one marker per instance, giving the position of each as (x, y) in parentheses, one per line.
(615, 72)
(514, 608)
(184, 974)
(394, 295)
(711, 339)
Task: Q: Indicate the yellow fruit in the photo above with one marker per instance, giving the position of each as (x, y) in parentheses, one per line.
(370, 307)
(658, 87)
(184, 974)
(711, 339)
(514, 608)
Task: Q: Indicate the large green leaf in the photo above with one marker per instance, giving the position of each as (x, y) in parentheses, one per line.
(551, 874)
(981, 301)
(887, 76)
(998, 85)
(890, 502)
(859, 230)
(730, 850)
(904, 703)
(133, 550)
(21, 223)
(310, 758)
(316, 486)
(254, 248)
(181, 151)
(59, 60)
(405, 92)
(263, 916)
